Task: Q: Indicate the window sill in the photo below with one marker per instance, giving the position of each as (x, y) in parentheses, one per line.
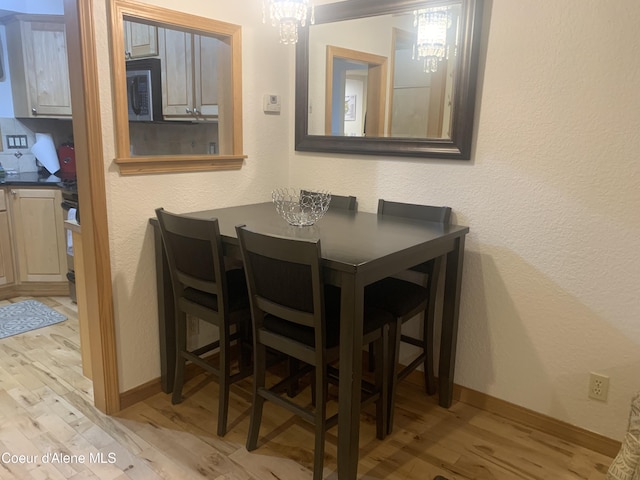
(176, 164)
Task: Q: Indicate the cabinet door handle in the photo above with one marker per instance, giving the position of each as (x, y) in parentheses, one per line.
(14, 193)
(34, 111)
(195, 111)
(188, 110)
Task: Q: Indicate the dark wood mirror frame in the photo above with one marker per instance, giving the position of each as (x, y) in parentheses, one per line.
(458, 147)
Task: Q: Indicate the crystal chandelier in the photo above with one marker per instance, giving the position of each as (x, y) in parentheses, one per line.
(431, 40)
(288, 15)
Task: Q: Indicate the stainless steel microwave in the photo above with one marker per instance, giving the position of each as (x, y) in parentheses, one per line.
(144, 96)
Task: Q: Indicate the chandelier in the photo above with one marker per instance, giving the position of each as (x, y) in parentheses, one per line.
(288, 15)
(431, 39)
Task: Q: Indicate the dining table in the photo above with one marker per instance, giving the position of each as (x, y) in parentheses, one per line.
(358, 248)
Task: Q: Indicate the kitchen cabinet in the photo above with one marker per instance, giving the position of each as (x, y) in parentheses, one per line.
(190, 75)
(140, 40)
(39, 237)
(6, 253)
(37, 52)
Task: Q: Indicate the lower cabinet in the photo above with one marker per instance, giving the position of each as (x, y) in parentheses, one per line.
(39, 235)
(6, 252)
(33, 256)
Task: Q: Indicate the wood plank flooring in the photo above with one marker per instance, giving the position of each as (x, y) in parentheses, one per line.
(46, 412)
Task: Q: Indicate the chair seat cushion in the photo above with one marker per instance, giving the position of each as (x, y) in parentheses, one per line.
(396, 296)
(374, 318)
(237, 291)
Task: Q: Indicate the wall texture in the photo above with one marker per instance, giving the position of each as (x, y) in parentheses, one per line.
(552, 195)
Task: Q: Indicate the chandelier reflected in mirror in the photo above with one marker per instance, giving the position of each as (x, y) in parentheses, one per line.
(431, 37)
(288, 15)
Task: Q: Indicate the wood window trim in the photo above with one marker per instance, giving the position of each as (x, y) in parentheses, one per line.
(182, 163)
(134, 165)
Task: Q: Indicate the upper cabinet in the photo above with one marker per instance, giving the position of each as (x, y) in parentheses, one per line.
(39, 68)
(189, 75)
(140, 40)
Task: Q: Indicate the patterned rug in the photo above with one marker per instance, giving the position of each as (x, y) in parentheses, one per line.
(27, 315)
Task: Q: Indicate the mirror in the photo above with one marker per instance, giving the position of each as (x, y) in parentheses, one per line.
(363, 87)
(177, 90)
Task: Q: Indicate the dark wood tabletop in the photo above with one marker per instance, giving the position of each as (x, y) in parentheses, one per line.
(358, 248)
(349, 239)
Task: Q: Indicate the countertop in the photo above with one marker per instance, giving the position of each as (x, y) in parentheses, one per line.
(31, 179)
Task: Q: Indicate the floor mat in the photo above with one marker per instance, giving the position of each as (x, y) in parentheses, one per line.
(28, 315)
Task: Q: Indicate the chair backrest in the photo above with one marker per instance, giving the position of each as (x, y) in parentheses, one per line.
(343, 202)
(427, 213)
(194, 254)
(340, 201)
(284, 277)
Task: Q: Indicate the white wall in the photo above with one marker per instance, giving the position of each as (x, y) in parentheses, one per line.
(552, 197)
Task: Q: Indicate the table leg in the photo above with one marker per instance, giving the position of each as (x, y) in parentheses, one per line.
(351, 319)
(450, 314)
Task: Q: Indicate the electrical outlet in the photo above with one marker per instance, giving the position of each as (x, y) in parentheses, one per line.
(598, 386)
(17, 141)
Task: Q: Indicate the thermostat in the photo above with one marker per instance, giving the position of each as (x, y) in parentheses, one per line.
(271, 103)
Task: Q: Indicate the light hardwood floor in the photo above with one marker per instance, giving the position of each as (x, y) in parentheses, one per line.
(46, 408)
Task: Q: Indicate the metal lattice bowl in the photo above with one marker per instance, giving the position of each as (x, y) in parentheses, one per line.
(300, 207)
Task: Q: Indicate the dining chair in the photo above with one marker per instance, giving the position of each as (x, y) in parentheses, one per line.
(295, 313)
(337, 202)
(407, 297)
(204, 289)
(340, 201)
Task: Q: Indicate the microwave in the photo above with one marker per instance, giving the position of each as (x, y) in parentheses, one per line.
(144, 97)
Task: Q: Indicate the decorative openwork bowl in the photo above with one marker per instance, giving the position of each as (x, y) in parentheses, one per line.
(300, 207)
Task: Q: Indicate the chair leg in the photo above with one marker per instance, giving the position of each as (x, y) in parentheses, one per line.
(313, 388)
(181, 346)
(223, 380)
(428, 331)
(321, 419)
(294, 385)
(382, 384)
(259, 373)
(244, 345)
(372, 358)
(427, 346)
(395, 331)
